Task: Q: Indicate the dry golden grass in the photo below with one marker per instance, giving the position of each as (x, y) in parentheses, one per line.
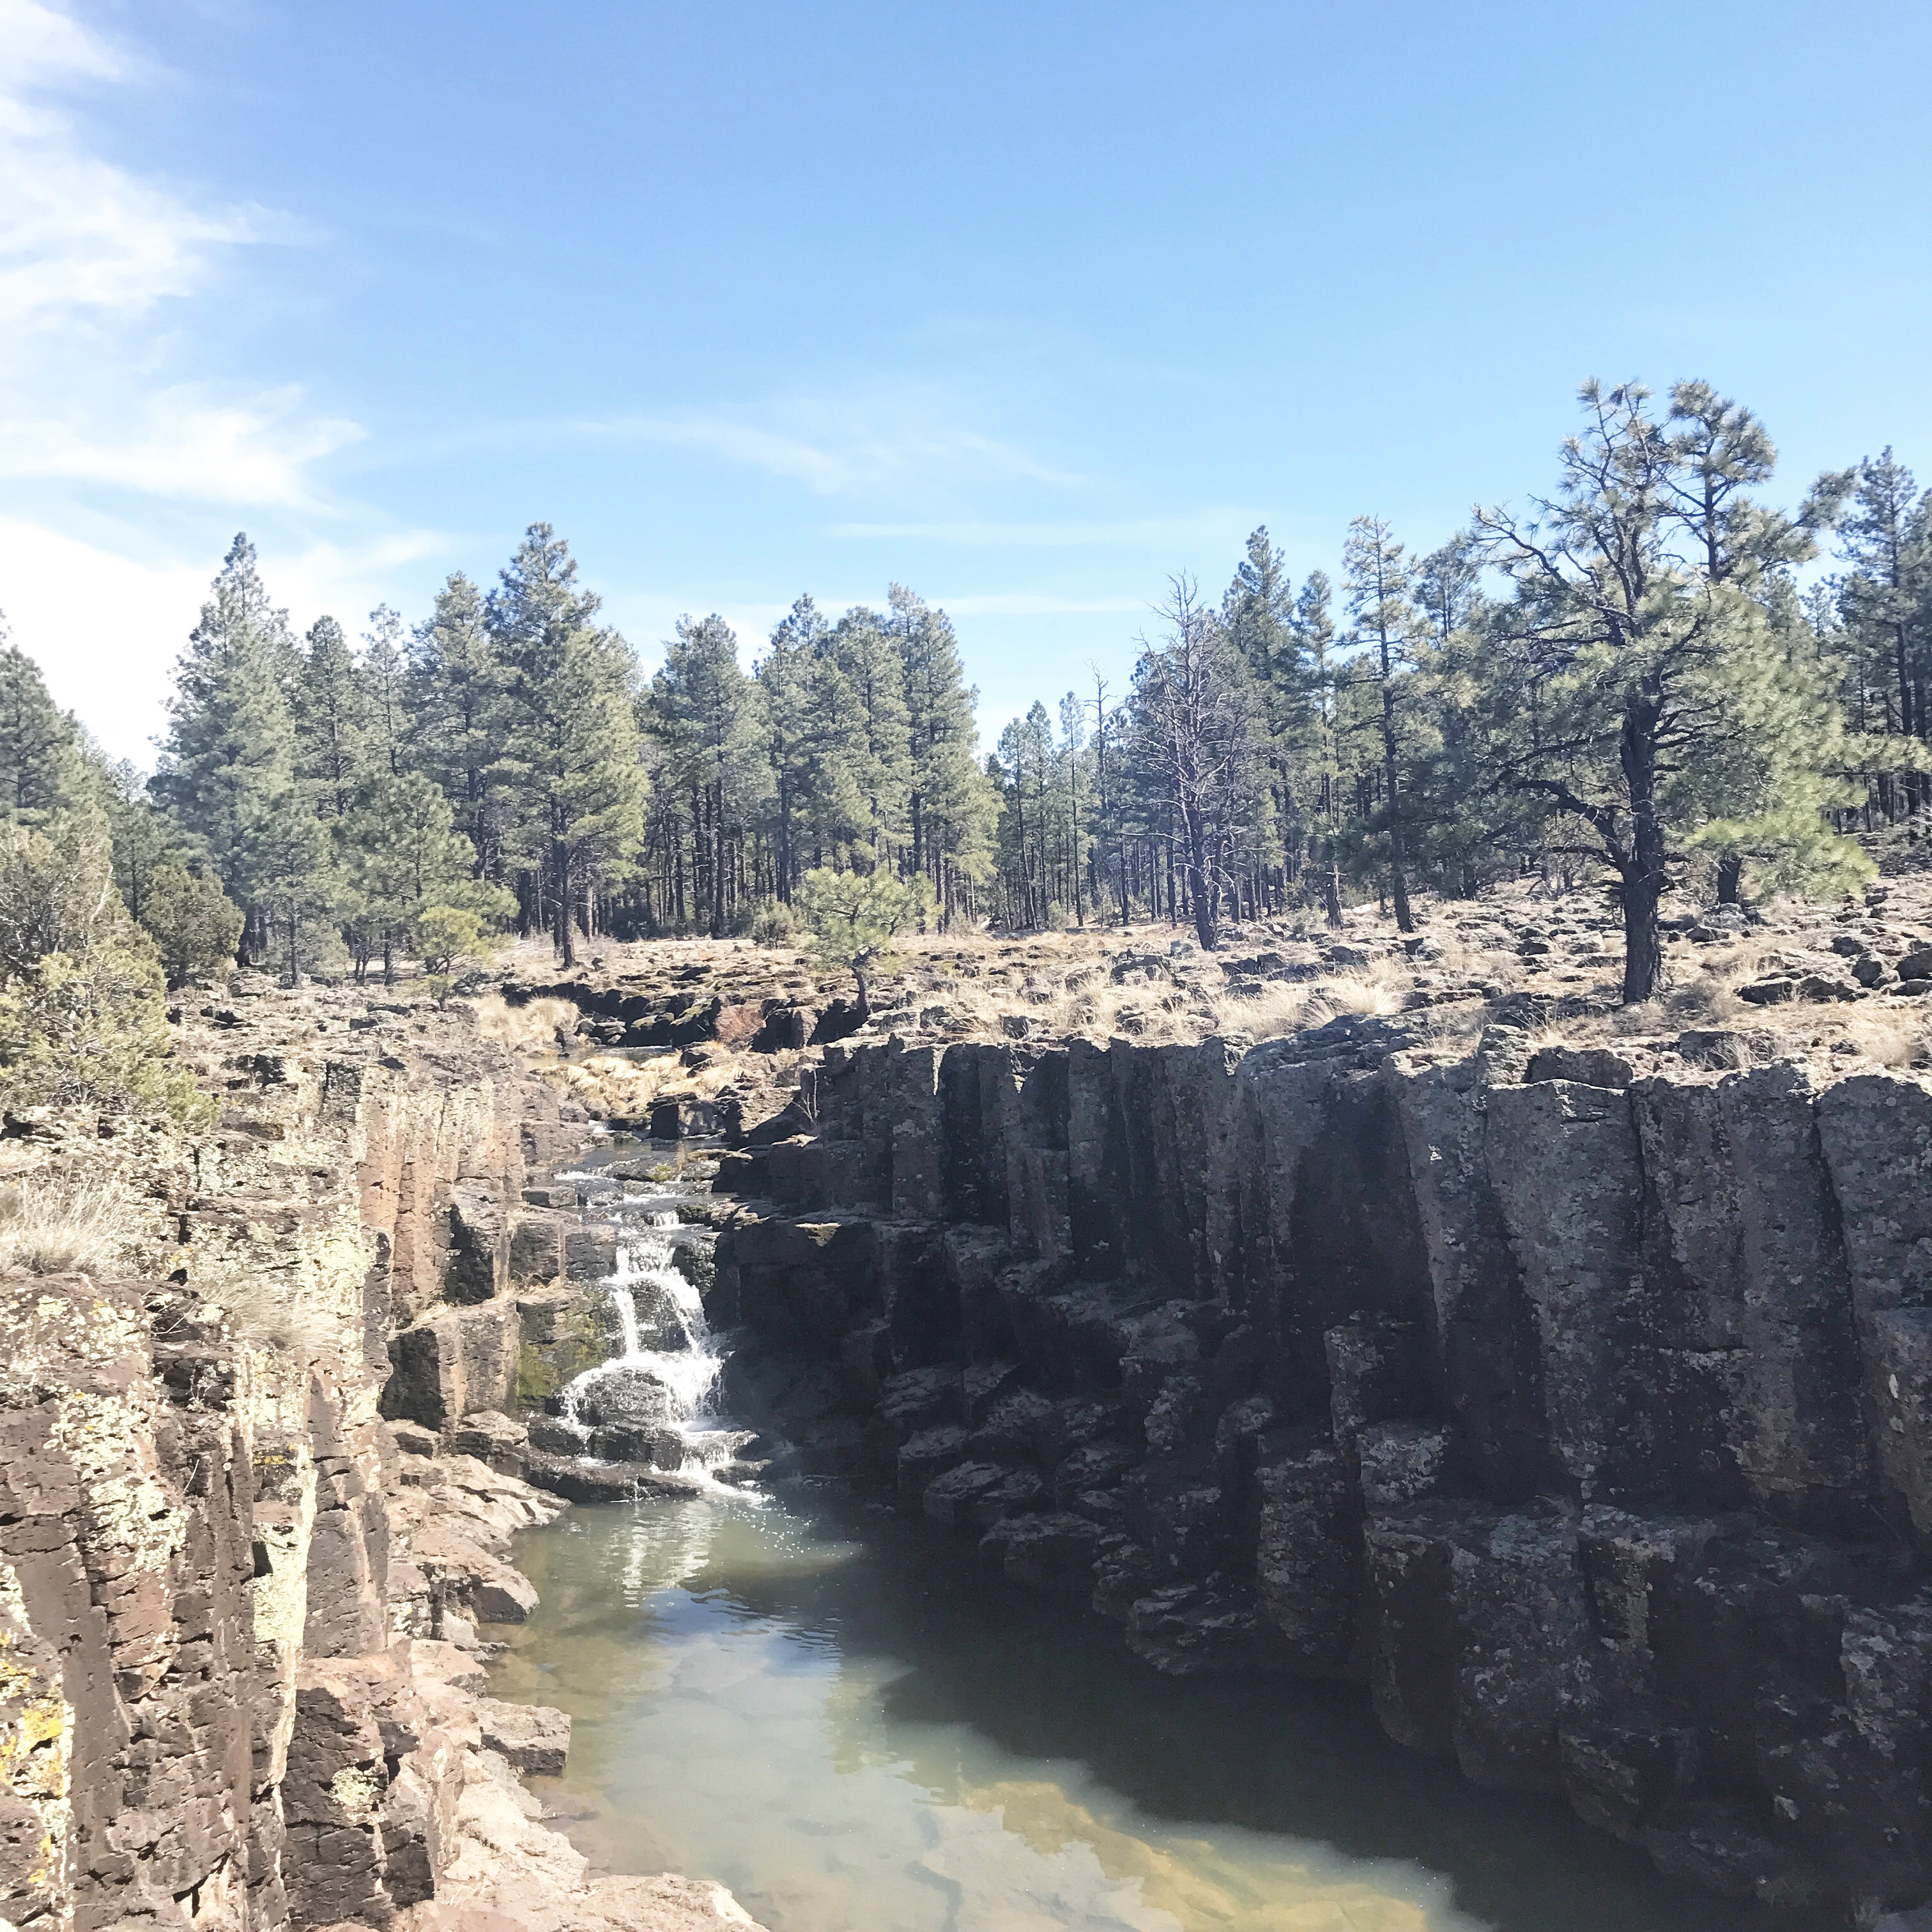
(56, 1223)
(1887, 1034)
(531, 1028)
(257, 1311)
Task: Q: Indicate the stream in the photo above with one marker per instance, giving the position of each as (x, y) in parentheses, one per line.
(834, 1709)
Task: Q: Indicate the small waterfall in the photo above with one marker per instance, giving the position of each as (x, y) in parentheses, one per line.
(684, 1364)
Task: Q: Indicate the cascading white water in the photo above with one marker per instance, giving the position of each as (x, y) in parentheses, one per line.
(688, 1372)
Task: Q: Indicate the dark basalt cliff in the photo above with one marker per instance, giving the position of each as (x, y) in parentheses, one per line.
(1586, 1418)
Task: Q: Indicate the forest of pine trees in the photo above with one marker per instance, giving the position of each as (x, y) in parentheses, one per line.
(1622, 681)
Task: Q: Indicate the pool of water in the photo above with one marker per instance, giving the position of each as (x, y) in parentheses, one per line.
(834, 1711)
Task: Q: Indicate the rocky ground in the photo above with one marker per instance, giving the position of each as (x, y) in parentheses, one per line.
(704, 1037)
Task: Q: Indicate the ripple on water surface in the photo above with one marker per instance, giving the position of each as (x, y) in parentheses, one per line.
(841, 1718)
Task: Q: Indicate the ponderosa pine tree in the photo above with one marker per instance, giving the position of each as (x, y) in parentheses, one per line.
(1258, 613)
(231, 745)
(1652, 677)
(784, 674)
(401, 853)
(331, 719)
(1199, 726)
(1380, 584)
(384, 674)
(709, 715)
(947, 803)
(571, 765)
(42, 772)
(1884, 533)
(459, 717)
(296, 885)
(873, 673)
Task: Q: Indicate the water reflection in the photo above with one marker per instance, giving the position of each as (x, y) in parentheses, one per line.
(846, 1721)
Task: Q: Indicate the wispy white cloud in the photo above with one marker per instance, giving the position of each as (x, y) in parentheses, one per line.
(88, 249)
(78, 234)
(885, 433)
(184, 443)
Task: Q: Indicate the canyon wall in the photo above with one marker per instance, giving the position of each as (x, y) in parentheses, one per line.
(239, 1665)
(1581, 1409)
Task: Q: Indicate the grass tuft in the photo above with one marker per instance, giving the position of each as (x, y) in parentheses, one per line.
(61, 1224)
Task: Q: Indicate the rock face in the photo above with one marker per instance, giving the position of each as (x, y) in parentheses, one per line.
(244, 1542)
(1586, 1417)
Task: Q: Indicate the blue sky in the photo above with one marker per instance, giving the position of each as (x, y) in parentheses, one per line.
(1025, 305)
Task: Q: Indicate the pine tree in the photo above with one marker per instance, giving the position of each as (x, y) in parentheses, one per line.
(231, 743)
(949, 810)
(459, 715)
(836, 815)
(709, 714)
(869, 661)
(142, 838)
(402, 852)
(1634, 692)
(1314, 640)
(83, 1020)
(1380, 583)
(1199, 725)
(783, 675)
(294, 885)
(571, 764)
(384, 678)
(332, 719)
(42, 774)
(1884, 534)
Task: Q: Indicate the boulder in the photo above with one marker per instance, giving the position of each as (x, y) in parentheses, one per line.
(632, 1396)
(533, 1737)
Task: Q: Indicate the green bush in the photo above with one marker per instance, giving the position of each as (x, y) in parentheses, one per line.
(194, 927)
(447, 935)
(83, 1017)
(772, 924)
(855, 917)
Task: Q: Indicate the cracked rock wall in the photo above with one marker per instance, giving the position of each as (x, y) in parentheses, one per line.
(1585, 1419)
(212, 1711)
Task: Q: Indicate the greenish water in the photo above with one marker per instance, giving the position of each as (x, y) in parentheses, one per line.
(843, 1718)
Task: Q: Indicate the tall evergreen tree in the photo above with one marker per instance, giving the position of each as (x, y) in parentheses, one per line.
(231, 744)
(384, 684)
(459, 717)
(42, 773)
(710, 715)
(402, 854)
(1199, 724)
(874, 672)
(1884, 533)
(1380, 583)
(1652, 677)
(332, 719)
(784, 676)
(947, 804)
(570, 763)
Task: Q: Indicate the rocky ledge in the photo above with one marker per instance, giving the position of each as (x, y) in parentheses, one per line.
(244, 1612)
(1576, 1401)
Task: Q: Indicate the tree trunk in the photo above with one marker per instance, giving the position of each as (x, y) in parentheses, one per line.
(1405, 920)
(560, 860)
(718, 862)
(1730, 876)
(1207, 899)
(1643, 874)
